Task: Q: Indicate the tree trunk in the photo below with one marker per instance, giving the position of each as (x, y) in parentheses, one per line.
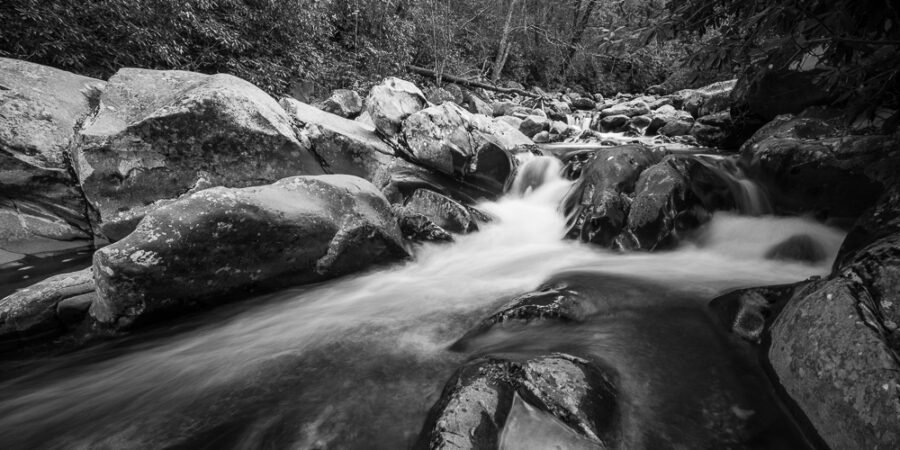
(578, 35)
(503, 50)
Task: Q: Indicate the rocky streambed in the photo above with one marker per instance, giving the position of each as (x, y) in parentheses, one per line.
(454, 269)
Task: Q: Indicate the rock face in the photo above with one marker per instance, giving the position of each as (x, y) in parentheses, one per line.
(476, 403)
(161, 134)
(38, 313)
(344, 103)
(837, 369)
(392, 101)
(41, 109)
(342, 146)
(297, 230)
(830, 176)
(835, 346)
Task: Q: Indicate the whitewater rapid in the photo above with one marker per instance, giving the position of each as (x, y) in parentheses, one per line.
(417, 309)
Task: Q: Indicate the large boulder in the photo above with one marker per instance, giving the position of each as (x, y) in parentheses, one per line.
(41, 109)
(221, 243)
(836, 368)
(342, 146)
(448, 139)
(672, 197)
(835, 348)
(34, 313)
(830, 176)
(392, 101)
(161, 134)
(599, 201)
(483, 398)
(344, 103)
(709, 99)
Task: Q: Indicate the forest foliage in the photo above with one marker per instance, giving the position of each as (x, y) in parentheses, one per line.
(343, 43)
(595, 45)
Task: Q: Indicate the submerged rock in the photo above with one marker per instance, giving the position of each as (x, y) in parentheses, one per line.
(442, 211)
(161, 134)
(800, 248)
(41, 110)
(392, 101)
(475, 405)
(44, 310)
(219, 243)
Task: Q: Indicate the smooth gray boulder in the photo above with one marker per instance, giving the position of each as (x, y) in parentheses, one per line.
(223, 243)
(392, 101)
(161, 134)
(41, 204)
(342, 146)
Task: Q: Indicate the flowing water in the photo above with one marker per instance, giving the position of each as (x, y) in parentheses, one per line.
(357, 362)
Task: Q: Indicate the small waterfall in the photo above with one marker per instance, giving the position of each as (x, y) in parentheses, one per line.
(751, 198)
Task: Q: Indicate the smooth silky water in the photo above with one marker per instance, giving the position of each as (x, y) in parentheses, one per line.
(356, 362)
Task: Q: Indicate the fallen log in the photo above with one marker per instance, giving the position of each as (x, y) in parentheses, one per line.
(470, 83)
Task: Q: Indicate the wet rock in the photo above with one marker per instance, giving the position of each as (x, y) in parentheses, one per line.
(709, 135)
(542, 138)
(710, 99)
(442, 211)
(630, 109)
(475, 405)
(836, 368)
(749, 312)
(640, 122)
(341, 145)
(418, 228)
(475, 148)
(831, 177)
(344, 103)
(672, 197)
(41, 109)
(800, 248)
(584, 104)
(30, 314)
(533, 125)
(676, 127)
(598, 204)
(161, 134)
(295, 231)
(665, 115)
(391, 102)
(613, 123)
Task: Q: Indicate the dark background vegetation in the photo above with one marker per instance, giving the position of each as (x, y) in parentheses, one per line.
(593, 45)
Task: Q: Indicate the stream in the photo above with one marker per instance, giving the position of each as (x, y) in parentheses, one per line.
(357, 362)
